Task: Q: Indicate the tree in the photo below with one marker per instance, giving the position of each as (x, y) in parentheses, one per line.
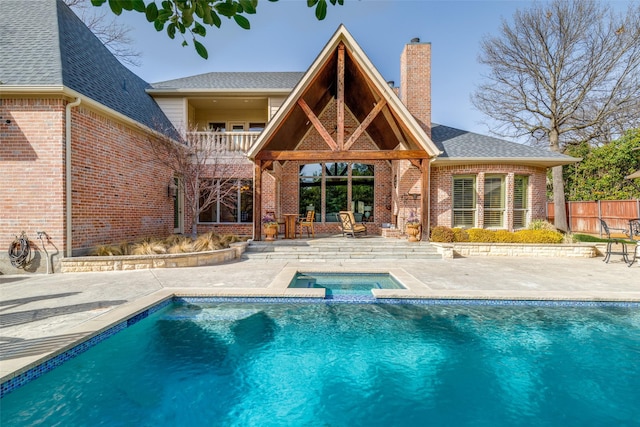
(600, 175)
(207, 166)
(192, 16)
(562, 73)
(113, 35)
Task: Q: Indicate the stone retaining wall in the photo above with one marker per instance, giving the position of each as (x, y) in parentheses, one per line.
(142, 262)
(452, 250)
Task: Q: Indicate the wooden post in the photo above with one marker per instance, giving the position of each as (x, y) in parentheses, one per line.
(424, 199)
(340, 99)
(257, 201)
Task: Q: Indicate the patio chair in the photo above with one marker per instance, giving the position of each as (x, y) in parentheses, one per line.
(634, 228)
(620, 245)
(307, 222)
(636, 255)
(348, 224)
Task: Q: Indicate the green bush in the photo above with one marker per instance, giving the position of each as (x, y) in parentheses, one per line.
(442, 234)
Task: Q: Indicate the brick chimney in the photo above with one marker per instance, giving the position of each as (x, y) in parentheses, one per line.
(415, 81)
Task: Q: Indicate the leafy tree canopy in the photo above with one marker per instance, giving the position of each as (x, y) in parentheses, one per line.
(193, 16)
(600, 175)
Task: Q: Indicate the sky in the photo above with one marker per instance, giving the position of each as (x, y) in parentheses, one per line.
(285, 36)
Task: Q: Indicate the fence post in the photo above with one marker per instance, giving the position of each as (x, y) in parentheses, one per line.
(599, 218)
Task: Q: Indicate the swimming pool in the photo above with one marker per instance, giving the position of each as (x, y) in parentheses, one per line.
(345, 283)
(227, 363)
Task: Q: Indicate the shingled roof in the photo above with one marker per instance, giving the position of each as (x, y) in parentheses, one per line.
(45, 44)
(235, 80)
(463, 146)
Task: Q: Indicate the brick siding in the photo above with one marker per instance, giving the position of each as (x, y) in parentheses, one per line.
(442, 191)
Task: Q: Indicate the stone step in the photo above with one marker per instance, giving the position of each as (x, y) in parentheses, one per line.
(331, 249)
(379, 257)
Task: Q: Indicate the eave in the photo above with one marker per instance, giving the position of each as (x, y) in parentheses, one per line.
(218, 92)
(542, 162)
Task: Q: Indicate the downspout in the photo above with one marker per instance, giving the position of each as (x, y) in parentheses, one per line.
(67, 190)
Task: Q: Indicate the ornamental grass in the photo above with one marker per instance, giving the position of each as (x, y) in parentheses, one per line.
(174, 244)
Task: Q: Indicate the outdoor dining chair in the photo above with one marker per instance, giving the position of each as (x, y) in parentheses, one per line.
(307, 222)
(620, 247)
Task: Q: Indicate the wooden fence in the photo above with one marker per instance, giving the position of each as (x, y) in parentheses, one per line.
(583, 217)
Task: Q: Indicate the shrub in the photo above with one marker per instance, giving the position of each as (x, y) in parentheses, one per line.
(442, 234)
(539, 236)
(460, 235)
(481, 235)
(541, 224)
(504, 236)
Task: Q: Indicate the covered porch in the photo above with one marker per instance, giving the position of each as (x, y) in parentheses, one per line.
(342, 141)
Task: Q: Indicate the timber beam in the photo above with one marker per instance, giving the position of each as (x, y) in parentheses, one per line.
(342, 155)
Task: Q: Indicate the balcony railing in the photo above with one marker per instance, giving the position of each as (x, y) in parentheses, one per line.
(222, 142)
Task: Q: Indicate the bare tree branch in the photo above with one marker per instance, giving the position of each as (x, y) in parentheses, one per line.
(116, 37)
(207, 169)
(563, 72)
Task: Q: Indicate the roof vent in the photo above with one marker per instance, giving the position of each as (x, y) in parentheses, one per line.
(415, 40)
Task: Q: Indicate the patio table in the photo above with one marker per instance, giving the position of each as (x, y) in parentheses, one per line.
(290, 221)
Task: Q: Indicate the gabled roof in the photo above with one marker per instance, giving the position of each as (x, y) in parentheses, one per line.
(45, 45)
(463, 147)
(259, 81)
(364, 89)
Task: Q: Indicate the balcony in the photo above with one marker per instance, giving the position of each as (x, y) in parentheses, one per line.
(223, 142)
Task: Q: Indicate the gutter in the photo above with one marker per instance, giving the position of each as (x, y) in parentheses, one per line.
(67, 162)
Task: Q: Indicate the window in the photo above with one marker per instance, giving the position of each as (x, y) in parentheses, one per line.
(217, 126)
(232, 202)
(256, 127)
(311, 188)
(337, 180)
(464, 201)
(362, 190)
(494, 202)
(336, 189)
(520, 201)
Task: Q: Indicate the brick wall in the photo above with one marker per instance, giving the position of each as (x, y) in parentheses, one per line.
(119, 192)
(119, 187)
(32, 188)
(442, 187)
(415, 82)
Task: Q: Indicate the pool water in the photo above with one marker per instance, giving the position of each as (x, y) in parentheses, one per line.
(333, 364)
(345, 283)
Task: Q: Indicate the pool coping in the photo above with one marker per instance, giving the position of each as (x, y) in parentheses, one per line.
(416, 290)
